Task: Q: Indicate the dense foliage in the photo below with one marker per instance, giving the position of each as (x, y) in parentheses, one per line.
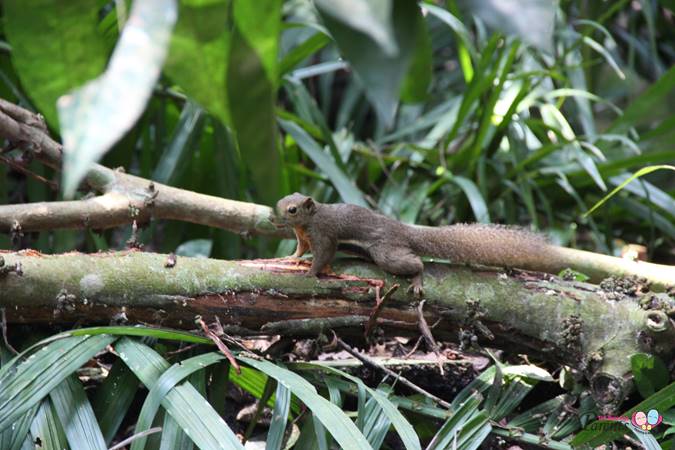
(492, 111)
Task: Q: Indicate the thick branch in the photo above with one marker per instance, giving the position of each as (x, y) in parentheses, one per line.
(571, 323)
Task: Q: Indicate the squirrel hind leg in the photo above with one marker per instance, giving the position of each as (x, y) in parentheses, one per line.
(403, 262)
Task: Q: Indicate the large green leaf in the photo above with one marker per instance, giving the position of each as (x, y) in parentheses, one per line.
(531, 20)
(381, 72)
(76, 416)
(224, 55)
(14, 436)
(197, 59)
(184, 403)
(98, 114)
(331, 417)
(46, 429)
(56, 47)
(251, 89)
(170, 378)
(370, 17)
(23, 383)
(282, 405)
(654, 103)
(113, 398)
(416, 83)
(404, 429)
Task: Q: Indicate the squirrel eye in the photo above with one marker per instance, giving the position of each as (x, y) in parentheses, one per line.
(292, 209)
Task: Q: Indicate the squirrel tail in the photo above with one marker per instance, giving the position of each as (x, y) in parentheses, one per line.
(490, 245)
(504, 246)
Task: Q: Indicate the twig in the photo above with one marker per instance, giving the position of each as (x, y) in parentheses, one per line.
(24, 170)
(132, 438)
(372, 363)
(3, 325)
(378, 307)
(414, 349)
(220, 344)
(428, 337)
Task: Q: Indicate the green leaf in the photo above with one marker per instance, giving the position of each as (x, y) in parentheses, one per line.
(465, 49)
(380, 72)
(113, 399)
(649, 372)
(156, 333)
(657, 97)
(173, 437)
(166, 382)
(14, 436)
(251, 89)
(605, 54)
(336, 422)
(56, 47)
(403, 428)
(298, 54)
(76, 416)
(282, 405)
(648, 441)
(476, 200)
(23, 383)
(345, 187)
(370, 17)
(376, 422)
(184, 403)
(647, 191)
(197, 59)
(98, 114)
(530, 20)
(416, 83)
(47, 428)
(449, 430)
(639, 173)
(474, 432)
(175, 156)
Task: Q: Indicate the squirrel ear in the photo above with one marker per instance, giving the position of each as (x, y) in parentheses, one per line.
(309, 204)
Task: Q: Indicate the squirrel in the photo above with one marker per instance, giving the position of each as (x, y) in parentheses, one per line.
(396, 247)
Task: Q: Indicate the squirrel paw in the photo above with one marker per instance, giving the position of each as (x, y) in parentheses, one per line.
(416, 286)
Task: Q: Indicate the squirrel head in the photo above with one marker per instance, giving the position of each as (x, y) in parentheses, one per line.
(295, 209)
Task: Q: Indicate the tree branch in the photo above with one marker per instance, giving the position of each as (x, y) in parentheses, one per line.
(144, 198)
(544, 316)
(127, 198)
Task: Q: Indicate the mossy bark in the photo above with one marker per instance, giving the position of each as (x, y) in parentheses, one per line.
(572, 323)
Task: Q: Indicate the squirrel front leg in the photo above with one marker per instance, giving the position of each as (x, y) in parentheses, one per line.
(303, 242)
(323, 250)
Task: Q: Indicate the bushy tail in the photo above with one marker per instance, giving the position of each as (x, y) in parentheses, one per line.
(490, 245)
